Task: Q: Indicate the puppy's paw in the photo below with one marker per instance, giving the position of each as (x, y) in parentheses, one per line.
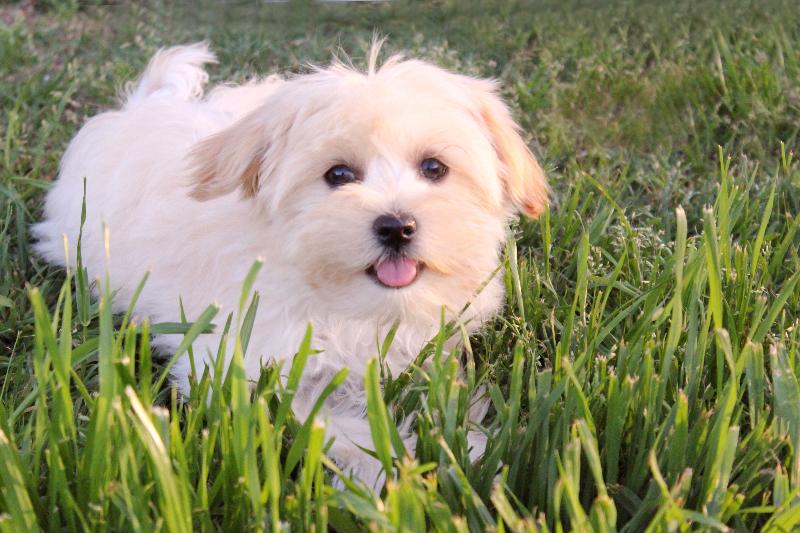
(363, 469)
(477, 445)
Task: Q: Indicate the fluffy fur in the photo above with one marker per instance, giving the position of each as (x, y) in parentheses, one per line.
(193, 188)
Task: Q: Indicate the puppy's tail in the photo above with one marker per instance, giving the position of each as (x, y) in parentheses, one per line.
(175, 72)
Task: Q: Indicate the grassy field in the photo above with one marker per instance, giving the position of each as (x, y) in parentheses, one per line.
(644, 375)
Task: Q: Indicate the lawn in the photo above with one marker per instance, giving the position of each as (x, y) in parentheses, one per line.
(643, 376)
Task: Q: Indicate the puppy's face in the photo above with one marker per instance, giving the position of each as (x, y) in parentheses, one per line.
(389, 191)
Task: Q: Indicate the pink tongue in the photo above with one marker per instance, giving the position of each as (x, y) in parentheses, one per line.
(396, 272)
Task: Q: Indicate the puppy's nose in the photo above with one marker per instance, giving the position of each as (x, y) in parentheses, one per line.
(394, 231)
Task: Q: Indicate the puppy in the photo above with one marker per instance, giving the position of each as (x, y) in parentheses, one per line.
(373, 198)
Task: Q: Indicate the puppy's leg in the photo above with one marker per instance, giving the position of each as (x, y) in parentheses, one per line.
(344, 413)
(477, 412)
(347, 424)
(352, 436)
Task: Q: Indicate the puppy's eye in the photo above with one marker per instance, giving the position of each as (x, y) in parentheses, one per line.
(433, 169)
(340, 175)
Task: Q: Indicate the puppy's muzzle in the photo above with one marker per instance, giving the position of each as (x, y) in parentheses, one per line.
(395, 231)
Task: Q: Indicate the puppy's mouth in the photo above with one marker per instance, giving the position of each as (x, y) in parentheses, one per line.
(395, 272)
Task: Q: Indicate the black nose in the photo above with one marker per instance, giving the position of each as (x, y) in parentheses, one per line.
(394, 231)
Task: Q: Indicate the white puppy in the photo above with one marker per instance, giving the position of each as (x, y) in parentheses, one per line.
(372, 198)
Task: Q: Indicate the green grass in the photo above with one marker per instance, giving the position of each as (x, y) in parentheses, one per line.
(644, 375)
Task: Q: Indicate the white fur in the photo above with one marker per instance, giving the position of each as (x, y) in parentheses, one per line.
(147, 162)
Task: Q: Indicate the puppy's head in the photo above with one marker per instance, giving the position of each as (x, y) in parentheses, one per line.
(390, 189)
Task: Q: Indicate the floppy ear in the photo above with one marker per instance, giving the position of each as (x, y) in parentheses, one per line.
(229, 160)
(240, 156)
(525, 183)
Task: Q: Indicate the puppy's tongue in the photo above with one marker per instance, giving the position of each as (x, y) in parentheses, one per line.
(397, 272)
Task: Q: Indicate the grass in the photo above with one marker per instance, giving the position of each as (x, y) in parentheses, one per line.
(644, 375)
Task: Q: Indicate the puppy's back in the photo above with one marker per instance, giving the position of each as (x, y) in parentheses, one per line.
(133, 160)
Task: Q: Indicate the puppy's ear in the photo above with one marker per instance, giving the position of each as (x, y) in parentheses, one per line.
(240, 156)
(229, 160)
(525, 183)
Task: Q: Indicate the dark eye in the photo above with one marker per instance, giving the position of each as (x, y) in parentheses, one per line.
(433, 169)
(340, 175)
